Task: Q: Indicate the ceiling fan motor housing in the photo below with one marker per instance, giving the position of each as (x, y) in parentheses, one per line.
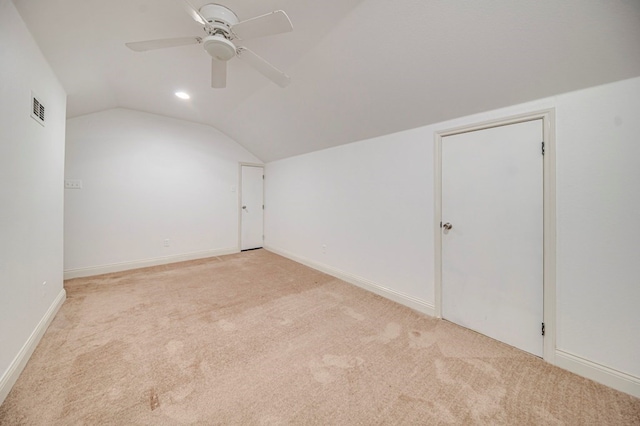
(218, 14)
(220, 19)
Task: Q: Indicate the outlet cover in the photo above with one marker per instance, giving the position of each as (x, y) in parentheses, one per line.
(73, 184)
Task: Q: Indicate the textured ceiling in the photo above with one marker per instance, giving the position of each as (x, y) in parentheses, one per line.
(359, 68)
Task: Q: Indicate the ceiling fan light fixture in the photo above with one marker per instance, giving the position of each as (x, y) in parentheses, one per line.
(219, 47)
(222, 28)
(183, 95)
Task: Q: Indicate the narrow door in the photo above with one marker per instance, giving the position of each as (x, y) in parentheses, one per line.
(251, 226)
(492, 242)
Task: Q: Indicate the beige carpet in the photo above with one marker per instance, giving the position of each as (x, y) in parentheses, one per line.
(257, 339)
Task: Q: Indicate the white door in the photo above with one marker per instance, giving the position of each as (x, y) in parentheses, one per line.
(492, 256)
(251, 225)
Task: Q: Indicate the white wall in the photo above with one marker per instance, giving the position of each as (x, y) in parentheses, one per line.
(31, 205)
(372, 203)
(148, 178)
(598, 213)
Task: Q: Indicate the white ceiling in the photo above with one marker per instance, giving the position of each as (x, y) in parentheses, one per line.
(359, 68)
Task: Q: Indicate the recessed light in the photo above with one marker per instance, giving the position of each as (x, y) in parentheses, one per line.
(183, 95)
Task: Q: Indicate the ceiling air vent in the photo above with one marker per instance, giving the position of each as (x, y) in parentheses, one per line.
(37, 109)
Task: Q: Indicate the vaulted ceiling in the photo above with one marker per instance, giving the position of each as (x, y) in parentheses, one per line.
(359, 68)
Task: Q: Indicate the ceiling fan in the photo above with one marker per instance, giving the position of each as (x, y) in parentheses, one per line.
(222, 27)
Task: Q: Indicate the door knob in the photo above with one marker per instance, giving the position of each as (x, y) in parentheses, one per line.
(244, 208)
(447, 226)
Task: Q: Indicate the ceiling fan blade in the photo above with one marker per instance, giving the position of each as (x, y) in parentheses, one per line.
(218, 74)
(264, 67)
(141, 46)
(195, 13)
(272, 23)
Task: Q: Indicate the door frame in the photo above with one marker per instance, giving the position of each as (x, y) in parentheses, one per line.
(240, 165)
(549, 215)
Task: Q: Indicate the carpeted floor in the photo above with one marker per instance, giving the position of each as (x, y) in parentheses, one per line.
(257, 339)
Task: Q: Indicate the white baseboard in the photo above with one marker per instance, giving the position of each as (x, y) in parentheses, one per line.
(404, 299)
(20, 361)
(598, 373)
(136, 264)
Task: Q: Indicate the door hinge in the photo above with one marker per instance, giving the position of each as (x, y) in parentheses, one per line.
(440, 224)
(542, 147)
(263, 207)
(543, 329)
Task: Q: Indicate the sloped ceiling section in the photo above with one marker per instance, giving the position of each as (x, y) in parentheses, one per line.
(359, 68)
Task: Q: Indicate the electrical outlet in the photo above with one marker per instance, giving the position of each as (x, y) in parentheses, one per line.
(73, 184)
(167, 242)
(324, 248)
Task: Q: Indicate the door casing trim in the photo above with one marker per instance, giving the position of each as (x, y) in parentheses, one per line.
(549, 216)
(240, 166)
